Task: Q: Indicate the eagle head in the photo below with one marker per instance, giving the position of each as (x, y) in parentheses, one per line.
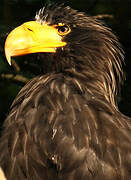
(70, 41)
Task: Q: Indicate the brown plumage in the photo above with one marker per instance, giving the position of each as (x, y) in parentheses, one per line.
(65, 123)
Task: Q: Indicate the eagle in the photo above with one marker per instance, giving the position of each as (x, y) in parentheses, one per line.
(65, 123)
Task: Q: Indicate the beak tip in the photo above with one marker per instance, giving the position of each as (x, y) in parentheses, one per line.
(9, 63)
(8, 55)
(8, 59)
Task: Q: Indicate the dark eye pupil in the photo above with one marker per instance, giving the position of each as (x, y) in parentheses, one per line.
(62, 29)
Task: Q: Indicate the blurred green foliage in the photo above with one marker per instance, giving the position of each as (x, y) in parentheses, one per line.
(15, 12)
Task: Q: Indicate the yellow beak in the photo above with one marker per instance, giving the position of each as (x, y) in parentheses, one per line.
(32, 37)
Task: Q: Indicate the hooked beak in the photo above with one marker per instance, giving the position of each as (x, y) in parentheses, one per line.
(32, 37)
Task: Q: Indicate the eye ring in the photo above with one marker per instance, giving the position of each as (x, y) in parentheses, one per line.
(63, 29)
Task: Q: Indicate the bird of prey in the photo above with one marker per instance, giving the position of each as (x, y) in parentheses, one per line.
(65, 124)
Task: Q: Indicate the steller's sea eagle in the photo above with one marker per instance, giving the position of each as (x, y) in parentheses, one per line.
(65, 124)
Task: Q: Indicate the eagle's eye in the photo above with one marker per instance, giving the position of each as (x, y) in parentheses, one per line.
(63, 29)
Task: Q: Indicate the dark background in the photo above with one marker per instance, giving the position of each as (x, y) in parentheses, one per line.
(16, 12)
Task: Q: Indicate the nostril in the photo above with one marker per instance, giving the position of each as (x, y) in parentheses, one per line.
(30, 29)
